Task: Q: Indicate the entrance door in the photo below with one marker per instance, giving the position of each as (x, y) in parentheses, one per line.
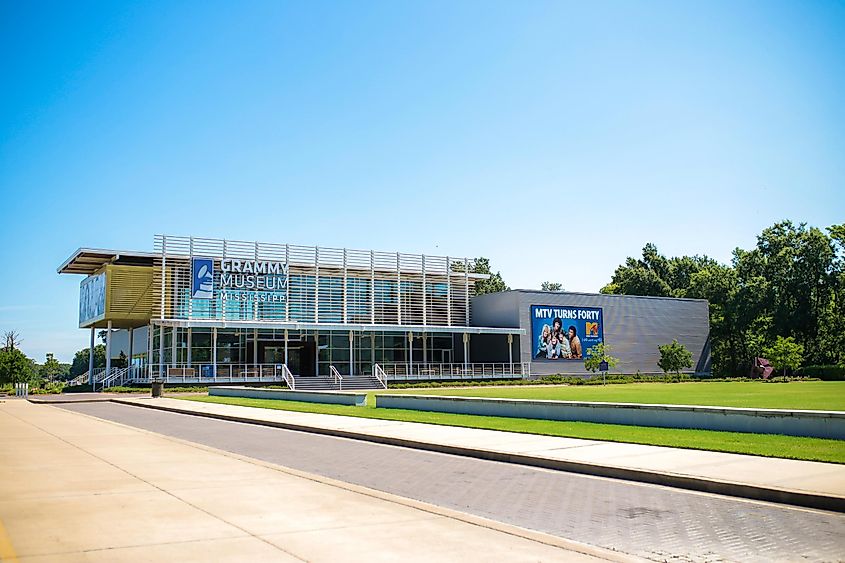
(274, 355)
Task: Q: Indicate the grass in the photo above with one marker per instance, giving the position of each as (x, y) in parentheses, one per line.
(812, 395)
(814, 449)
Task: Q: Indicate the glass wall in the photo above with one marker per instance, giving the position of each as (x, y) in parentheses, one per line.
(307, 350)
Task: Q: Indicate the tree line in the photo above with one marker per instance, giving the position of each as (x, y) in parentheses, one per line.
(784, 296)
(17, 367)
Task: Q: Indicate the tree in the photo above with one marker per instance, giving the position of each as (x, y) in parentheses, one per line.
(80, 360)
(481, 265)
(15, 367)
(120, 361)
(12, 339)
(598, 354)
(551, 286)
(674, 357)
(792, 283)
(785, 354)
(52, 369)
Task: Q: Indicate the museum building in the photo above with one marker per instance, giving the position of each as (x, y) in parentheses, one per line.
(200, 310)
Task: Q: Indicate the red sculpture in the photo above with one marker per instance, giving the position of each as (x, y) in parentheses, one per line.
(761, 368)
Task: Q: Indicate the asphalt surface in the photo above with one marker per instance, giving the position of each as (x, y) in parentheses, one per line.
(649, 521)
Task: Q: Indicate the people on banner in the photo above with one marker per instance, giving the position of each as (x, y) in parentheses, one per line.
(556, 344)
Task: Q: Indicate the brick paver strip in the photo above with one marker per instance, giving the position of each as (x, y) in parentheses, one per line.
(803, 483)
(650, 521)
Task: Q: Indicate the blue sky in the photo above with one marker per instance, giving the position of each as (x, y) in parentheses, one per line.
(555, 138)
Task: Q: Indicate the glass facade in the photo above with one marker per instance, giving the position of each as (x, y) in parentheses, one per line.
(311, 352)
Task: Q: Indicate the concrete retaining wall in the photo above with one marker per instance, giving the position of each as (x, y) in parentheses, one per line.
(329, 397)
(819, 424)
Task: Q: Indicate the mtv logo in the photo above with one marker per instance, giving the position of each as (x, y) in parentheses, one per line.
(592, 329)
(202, 278)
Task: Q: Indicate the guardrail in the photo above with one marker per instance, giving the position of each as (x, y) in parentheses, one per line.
(202, 372)
(426, 371)
(338, 379)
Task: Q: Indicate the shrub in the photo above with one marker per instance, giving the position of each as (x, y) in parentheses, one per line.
(825, 373)
(49, 388)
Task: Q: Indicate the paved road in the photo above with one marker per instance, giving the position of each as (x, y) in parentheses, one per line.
(644, 520)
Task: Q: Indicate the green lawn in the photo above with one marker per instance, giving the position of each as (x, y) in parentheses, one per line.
(815, 449)
(813, 395)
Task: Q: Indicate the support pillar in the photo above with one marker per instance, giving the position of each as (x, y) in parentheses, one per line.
(131, 350)
(214, 352)
(255, 348)
(286, 349)
(174, 332)
(466, 349)
(108, 348)
(161, 351)
(91, 361)
(510, 351)
(410, 353)
(425, 348)
(351, 354)
(150, 334)
(190, 355)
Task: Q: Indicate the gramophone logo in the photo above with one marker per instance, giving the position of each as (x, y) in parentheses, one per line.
(202, 278)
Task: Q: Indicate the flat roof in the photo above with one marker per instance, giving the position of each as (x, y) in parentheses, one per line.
(541, 292)
(88, 260)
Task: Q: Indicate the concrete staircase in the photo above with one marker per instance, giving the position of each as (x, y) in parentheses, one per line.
(315, 383)
(360, 382)
(328, 383)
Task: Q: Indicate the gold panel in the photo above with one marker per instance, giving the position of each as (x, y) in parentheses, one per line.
(129, 296)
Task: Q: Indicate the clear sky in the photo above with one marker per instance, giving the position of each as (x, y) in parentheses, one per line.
(554, 138)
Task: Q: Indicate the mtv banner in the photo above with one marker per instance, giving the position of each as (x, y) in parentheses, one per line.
(565, 333)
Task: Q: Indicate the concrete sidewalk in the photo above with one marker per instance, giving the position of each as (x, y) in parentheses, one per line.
(74, 488)
(802, 483)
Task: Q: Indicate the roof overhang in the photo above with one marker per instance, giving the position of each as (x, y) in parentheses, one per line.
(428, 329)
(87, 261)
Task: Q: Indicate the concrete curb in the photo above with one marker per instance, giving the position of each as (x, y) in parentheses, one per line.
(35, 401)
(727, 488)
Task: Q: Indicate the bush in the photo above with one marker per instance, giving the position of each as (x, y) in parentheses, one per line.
(825, 373)
(48, 388)
(557, 379)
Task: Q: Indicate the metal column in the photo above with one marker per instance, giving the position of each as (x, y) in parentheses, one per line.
(286, 348)
(161, 351)
(466, 349)
(214, 352)
(131, 350)
(510, 351)
(410, 353)
(351, 354)
(150, 336)
(108, 348)
(190, 345)
(173, 333)
(91, 361)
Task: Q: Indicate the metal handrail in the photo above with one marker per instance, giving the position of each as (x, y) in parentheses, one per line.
(336, 377)
(426, 371)
(80, 379)
(116, 377)
(289, 379)
(379, 374)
